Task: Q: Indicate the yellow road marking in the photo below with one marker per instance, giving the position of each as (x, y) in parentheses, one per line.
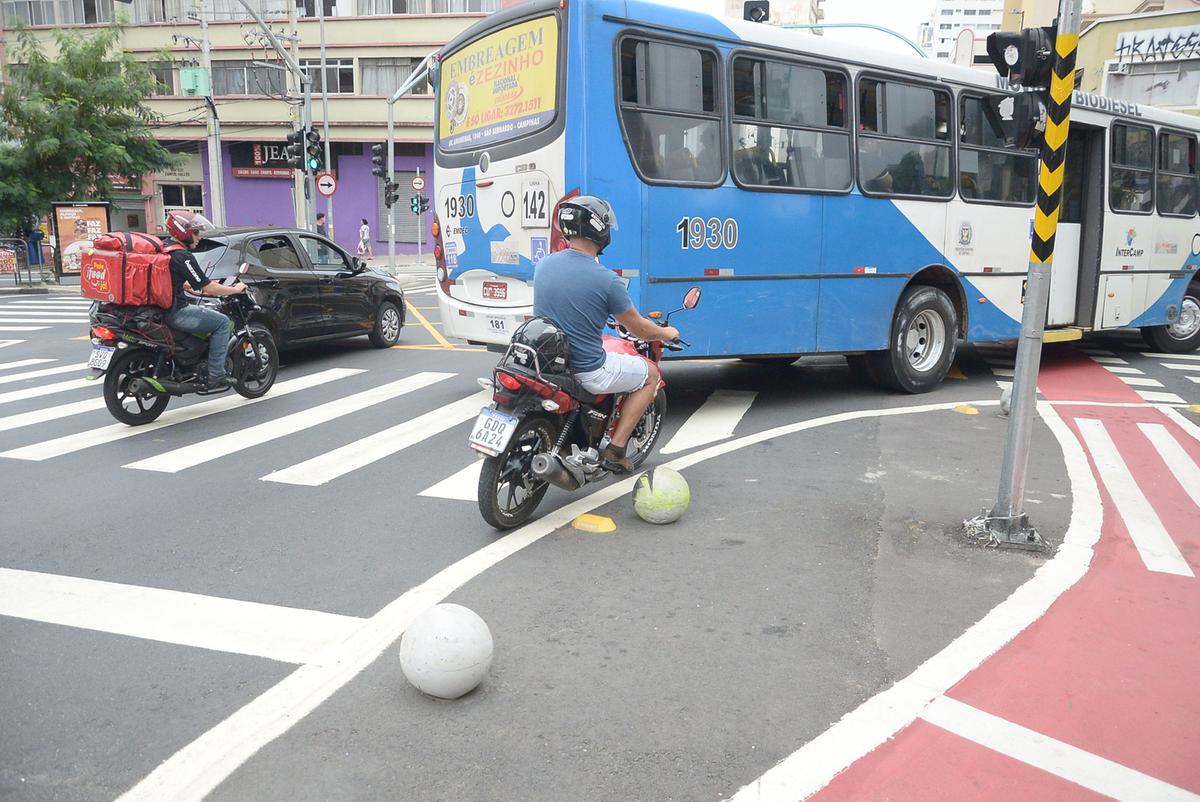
(86, 337)
(437, 348)
(1194, 408)
(594, 523)
(955, 373)
(437, 335)
(966, 409)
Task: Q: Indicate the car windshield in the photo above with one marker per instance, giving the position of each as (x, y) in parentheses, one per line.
(208, 253)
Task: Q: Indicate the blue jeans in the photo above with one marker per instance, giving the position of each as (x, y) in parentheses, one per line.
(202, 320)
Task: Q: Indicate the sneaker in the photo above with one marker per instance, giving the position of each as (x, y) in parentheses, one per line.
(222, 382)
(614, 459)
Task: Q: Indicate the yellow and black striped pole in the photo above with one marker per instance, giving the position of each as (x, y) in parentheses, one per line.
(1008, 524)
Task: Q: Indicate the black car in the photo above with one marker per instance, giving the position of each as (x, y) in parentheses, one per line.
(308, 287)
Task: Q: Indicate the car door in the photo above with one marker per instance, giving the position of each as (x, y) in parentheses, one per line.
(288, 286)
(345, 293)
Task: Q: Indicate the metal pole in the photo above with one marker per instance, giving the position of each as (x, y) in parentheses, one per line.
(299, 179)
(391, 172)
(216, 197)
(325, 113)
(1008, 524)
(310, 181)
(420, 221)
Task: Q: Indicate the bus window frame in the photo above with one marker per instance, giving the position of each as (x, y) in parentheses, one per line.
(719, 104)
(951, 139)
(1195, 176)
(1027, 152)
(525, 143)
(1110, 164)
(733, 118)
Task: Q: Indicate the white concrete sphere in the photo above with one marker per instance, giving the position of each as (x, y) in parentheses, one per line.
(446, 651)
(1006, 401)
(661, 496)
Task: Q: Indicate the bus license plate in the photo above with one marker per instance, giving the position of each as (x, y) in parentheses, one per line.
(101, 356)
(493, 430)
(495, 291)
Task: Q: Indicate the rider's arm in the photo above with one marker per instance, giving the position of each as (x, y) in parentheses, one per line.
(215, 288)
(645, 329)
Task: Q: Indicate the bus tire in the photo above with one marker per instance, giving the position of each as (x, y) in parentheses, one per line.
(1182, 336)
(923, 342)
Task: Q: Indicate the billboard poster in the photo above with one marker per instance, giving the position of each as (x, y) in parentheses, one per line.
(500, 87)
(75, 226)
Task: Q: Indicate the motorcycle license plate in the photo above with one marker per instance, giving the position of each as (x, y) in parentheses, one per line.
(493, 430)
(101, 356)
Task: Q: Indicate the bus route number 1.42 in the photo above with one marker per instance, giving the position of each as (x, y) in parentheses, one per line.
(696, 233)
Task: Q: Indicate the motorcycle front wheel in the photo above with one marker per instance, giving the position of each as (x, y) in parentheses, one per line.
(132, 408)
(254, 373)
(646, 433)
(508, 492)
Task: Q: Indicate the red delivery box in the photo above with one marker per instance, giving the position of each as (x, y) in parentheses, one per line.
(132, 279)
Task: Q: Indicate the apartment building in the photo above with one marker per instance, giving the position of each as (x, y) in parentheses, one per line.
(372, 46)
(950, 18)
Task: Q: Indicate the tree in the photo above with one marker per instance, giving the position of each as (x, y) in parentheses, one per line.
(72, 122)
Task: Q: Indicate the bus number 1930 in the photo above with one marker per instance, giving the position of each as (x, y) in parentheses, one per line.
(696, 233)
(460, 206)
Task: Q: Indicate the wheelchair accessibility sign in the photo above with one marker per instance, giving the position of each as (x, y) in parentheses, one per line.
(538, 248)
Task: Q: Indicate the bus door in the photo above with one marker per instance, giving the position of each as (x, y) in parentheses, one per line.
(1076, 270)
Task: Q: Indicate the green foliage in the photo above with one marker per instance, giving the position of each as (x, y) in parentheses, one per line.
(71, 122)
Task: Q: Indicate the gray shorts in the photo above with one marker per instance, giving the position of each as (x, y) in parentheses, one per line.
(620, 373)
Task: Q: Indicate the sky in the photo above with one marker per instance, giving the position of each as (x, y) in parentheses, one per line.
(903, 16)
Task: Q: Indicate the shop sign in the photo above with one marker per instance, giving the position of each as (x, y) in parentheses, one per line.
(75, 226)
(259, 160)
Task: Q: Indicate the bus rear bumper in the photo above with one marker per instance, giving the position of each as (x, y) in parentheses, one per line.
(481, 325)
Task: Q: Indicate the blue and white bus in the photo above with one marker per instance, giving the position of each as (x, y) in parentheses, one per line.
(828, 198)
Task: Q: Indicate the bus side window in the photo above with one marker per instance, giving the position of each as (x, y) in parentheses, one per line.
(670, 109)
(790, 126)
(989, 170)
(1176, 174)
(904, 139)
(1131, 172)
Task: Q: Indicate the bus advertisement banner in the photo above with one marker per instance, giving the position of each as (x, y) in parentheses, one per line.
(500, 87)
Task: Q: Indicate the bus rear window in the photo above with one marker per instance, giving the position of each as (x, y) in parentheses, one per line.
(500, 87)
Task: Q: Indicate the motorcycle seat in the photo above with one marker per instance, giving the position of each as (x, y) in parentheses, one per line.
(573, 388)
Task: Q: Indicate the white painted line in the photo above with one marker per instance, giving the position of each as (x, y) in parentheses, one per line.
(374, 447)
(460, 486)
(1109, 360)
(715, 420)
(50, 413)
(1161, 398)
(1105, 777)
(1169, 366)
(24, 363)
(44, 311)
(1195, 379)
(1134, 381)
(1003, 385)
(1183, 423)
(1188, 357)
(1149, 536)
(37, 374)
(1008, 372)
(21, 328)
(6, 343)
(233, 442)
(47, 389)
(1181, 465)
(40, 319)
(814, 765)
(197, 769)
(119, 431)
(287, 634)
(79, 301)
(1126, 371)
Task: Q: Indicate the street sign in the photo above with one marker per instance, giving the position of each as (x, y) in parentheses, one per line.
(418, 183)
(326, 184)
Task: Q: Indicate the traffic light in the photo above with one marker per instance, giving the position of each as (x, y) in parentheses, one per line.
(294, 150)
(756, 10)
(414, 203)
(378, 160)
(391, 194)
(1025, 57)
(315, 149)
(424, 203)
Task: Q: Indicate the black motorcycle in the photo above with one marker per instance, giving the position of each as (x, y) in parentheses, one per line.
(144, 361)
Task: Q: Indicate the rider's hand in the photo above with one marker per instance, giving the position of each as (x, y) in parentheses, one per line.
(668, 333)
(238, 287)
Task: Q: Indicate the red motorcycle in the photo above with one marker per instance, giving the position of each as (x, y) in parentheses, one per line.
(544, 429)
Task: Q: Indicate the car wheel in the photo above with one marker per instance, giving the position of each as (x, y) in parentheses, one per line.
(388, 322)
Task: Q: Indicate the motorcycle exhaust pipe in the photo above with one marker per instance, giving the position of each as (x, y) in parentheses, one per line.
(146, 384)
(551, 468)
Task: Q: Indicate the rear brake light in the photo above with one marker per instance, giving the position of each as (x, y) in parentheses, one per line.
(557, 241)
(103, 333)
(435, 229)
(439, 255)
(509, 381)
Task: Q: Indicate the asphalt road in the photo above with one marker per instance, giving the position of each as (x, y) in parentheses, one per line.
(813, 570)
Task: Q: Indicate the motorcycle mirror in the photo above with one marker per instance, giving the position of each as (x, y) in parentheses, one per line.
(692, 298)
(244, 267)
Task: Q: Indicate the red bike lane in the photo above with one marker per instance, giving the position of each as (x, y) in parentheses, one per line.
(1099, 697)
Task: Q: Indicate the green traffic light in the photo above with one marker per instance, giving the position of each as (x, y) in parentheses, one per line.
(313, 164)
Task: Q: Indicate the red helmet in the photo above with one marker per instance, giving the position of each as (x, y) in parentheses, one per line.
(182, 223)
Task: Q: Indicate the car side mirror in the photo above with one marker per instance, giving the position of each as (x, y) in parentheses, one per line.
(359, 265)
(691, 298)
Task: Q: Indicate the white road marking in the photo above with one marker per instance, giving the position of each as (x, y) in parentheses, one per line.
(1105, 777)
(1188, 357)
(1183, 423)
(20, 328)
(78, 301)
(6, 343)
(1003, 385)
(1169, 366)
(37, 374)
(1119, 369)
(24, 363)
(1195, 379)
(1109, 360)
(811, 767)
(44, 311)
(287, 634)
(6, 318)
(460, 486)
(233, 442)
(46, 389)
(715, 420)
(1160, 398)
(1178, 461)
(50, 413)
(374, 447)
(119, 431)
(1149, 536)
(1134, 381)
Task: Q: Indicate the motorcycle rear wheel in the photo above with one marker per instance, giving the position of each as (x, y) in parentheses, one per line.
(508, 494)
(132, 409)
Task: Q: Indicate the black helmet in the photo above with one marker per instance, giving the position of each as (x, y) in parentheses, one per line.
(539, 344)
(588, 217)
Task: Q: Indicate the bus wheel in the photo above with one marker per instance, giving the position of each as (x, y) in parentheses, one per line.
(924, 339)
(1183, 335)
